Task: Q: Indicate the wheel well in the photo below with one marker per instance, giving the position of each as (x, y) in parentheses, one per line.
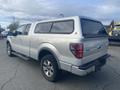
(7, 42)
(43, 53)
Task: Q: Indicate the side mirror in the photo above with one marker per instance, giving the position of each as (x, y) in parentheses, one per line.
(15, 33)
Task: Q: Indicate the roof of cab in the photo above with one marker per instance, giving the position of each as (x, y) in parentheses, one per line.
(63, 18)
(58, 19)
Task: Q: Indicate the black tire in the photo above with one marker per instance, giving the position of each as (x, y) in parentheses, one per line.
(9, 50)
(53, 68)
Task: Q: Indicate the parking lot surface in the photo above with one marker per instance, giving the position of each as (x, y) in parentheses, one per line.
(19, 74)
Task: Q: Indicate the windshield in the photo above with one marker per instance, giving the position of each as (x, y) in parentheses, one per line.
(91, 28)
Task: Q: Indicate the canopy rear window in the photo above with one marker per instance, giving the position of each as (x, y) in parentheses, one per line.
(91, 28)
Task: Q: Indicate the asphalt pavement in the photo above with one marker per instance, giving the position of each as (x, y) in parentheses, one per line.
(19, 74)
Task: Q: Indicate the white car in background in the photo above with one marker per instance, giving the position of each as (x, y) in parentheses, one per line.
(4, 33)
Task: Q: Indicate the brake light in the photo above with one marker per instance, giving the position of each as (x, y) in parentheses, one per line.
(77, 49)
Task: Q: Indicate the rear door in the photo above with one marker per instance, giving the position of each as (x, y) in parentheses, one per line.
(95, 39)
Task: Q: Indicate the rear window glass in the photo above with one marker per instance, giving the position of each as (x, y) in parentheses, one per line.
(43, 27)
(63, 27)
(92, 28)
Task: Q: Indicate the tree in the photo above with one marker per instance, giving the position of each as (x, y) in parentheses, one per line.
(13, 26)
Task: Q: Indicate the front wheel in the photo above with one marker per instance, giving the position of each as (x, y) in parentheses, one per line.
(9, 50)
(49, 68)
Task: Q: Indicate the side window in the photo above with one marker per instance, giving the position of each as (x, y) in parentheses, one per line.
(25, 32)
(43, 27)
(21, 29)
(24, 29)
(63, 27)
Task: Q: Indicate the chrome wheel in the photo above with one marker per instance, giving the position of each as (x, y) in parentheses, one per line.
(48, 68)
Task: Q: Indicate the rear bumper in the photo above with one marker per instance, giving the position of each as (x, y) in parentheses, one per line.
(90, 67)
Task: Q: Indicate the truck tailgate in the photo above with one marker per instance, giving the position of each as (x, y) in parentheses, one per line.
(94, 48)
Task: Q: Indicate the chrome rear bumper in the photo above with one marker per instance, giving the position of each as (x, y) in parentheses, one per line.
(90, 67)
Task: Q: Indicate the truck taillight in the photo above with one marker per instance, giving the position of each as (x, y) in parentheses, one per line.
(77, 49)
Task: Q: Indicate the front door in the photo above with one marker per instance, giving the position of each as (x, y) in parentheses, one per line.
(16, 40)
(25, 41)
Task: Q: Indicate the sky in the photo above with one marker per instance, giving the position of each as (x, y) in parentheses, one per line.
(32, 10)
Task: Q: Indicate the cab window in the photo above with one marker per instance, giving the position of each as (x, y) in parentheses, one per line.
(23, 29)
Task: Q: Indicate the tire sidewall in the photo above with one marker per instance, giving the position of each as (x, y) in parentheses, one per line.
(8, 45)
(55, 67)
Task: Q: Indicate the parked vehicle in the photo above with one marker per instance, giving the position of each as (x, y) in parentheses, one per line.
(116, 33)
(4, 34)
(75, 44)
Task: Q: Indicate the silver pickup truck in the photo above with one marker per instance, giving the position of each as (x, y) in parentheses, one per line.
(75, 44)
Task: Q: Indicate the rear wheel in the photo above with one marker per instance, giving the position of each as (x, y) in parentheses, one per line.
(9, 50)
(49, 68)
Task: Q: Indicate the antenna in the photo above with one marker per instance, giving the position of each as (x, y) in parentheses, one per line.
(61, 15)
